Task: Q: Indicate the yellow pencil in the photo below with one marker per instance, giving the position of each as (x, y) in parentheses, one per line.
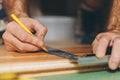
(25, 28)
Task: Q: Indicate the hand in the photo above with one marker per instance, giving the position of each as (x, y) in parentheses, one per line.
(100, 44)
(17, 39)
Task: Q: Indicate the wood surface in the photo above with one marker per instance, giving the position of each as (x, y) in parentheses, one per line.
(41, 62)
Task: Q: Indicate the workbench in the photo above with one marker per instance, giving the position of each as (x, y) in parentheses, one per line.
(49, 67)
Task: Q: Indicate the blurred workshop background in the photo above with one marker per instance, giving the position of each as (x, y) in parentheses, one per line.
(79, 20)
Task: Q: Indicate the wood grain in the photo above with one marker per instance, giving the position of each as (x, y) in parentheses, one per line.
(42, 62)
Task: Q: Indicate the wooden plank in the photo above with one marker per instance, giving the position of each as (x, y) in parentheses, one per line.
(43, 62)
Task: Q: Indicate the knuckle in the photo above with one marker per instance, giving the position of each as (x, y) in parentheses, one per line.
(24, 38)
(34, 41)
(45, 29)
(8, 26)
(11, 27)
(37, 42)
(22, 47)
(99, 35)
(104, 39)
(29, 39)
(9, 48)
(117, 40)
(4, 36)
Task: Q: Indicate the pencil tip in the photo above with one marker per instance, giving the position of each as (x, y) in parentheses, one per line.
(44, 48)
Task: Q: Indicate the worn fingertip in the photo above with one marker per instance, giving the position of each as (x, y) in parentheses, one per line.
(113, 65)
(99, 56)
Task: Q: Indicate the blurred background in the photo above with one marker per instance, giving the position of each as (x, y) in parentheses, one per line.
(67, 20)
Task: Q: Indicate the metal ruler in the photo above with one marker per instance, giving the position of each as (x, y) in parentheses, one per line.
(89, 59)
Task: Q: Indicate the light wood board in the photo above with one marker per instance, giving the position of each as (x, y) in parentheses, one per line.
(41, 62)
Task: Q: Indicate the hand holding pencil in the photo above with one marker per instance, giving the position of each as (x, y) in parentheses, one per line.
(16, 38)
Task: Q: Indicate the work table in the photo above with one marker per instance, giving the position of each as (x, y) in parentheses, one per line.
(44, 63)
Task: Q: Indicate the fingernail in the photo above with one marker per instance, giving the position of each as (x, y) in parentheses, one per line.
(112, 66)
(99, 55)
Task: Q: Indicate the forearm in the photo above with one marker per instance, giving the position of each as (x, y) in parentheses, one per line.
(114, 20)
(18, 7)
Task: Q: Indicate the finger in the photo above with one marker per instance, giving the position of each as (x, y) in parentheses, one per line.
(18, 45)
(22, 35)
(95, 43)
(36, 26)
(94, 46)
(115, 56)
(102, 46)
(40, 29)
(10, 47)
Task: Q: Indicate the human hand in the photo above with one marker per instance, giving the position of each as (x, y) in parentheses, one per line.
(100, 44)
(17, 39)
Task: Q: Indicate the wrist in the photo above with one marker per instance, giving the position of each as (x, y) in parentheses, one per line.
(114, 18)
(18, 14)
(17, 7)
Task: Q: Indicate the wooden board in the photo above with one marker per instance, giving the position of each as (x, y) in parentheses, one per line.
(41, 62)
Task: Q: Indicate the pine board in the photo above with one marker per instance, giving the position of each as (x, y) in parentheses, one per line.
(41, 62)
